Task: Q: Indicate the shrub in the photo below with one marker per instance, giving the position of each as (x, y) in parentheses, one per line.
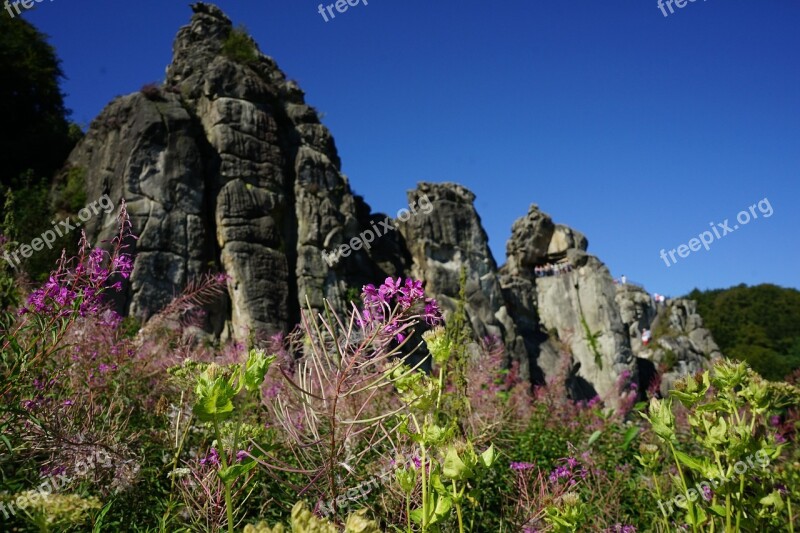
(239, 47)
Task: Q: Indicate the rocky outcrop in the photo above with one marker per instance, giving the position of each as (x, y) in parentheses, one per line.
(574, 313)
(227, 168)
(449, 242)
(679, 343)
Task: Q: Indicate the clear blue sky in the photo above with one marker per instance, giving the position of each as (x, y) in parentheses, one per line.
(634, 128)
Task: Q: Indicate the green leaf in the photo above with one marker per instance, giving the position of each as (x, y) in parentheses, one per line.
(443, 506)
(487, 457)
(98, 522)
(454, 467)
(630, 435)
(416, 515)
(230, 474)
(773, 500)
(691, 462)
(594, 437)
(256, 369)
(406, 478)
(718, 509)
(214, 397)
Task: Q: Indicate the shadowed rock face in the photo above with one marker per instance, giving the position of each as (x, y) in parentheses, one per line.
(226, 168)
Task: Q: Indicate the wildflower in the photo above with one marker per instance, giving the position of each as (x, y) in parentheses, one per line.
(68, 403)
(570, 499)
(558, 473)
(708, 494)
(521, 466)
(389, 288)
(370, 295)
(241, 455)
(432, 313)
(410, 293)
(211, 459)
(417, 462)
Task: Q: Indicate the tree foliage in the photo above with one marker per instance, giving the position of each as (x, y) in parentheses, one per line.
(35, 134)
(759, 324)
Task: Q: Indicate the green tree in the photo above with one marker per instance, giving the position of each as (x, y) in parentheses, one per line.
(759, 324)
(35, 133)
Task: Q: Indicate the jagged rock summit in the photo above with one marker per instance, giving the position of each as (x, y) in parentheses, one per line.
(225, 167)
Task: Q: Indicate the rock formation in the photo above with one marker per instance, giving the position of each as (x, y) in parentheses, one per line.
(226, 168)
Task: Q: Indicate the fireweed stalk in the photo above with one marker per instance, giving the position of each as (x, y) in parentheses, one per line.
(75, 289)
(348, 363)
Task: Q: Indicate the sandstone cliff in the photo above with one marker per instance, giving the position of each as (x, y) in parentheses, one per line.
(227, 168)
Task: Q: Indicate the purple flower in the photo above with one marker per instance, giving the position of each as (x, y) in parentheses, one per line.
(370, 295)
(211, 459)
(572, 462)
(410, 293)
(521, 466)
(241, 455)
(123, 264)
(389, 288)
(67, 403)
(775, 420)
(417, 461)
(708, 494)
(558, 473)
(432, 313)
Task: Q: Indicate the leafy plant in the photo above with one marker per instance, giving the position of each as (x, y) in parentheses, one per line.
(239, 47)
(216, 389)
(591, 340)
(727, 413)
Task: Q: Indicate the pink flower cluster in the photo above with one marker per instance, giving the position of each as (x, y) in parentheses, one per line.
(569, 471)
(77, 290)
(394, 293)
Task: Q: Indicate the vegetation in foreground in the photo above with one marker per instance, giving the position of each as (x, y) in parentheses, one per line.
(379, 418)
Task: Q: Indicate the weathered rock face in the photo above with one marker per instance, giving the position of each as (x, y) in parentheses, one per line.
(679, 345)
(575, 312)
(226, 168)
(450, 240)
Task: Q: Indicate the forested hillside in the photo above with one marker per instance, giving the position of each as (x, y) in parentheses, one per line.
(760, 325)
